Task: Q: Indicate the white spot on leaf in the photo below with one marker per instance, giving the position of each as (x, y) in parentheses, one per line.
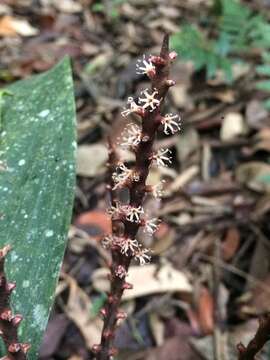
(44, 113)
(49, 233)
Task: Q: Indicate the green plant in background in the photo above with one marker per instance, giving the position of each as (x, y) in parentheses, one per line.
(238, 31)
(264, 71)
(36, 190)
(109, 8)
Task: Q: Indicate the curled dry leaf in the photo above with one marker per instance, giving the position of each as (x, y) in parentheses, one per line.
(146, 280)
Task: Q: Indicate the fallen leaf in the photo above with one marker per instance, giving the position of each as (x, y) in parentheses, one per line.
(176, 348)
(146, 280)
(68, 6)
(233, 126)
(206, 311)
(230, 244)
(96, 223)
(255, 175)
(256, 115)
(10, 26)
(164, 237)
(55, 330)
(78, 309)
(188, 143)
(91, 159)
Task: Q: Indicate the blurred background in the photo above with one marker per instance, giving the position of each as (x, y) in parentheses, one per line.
(209, 278)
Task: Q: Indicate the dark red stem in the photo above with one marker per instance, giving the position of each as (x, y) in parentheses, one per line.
(8, 322)
(137, 190)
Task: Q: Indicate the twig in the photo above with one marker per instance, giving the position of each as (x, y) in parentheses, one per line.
(257, 343)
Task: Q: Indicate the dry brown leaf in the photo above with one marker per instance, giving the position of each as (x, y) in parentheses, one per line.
(78, 310)
(146, 280)
(206, 311)
(230, 244)
(68, 6)
(91, 159)
(10, 26)
(96, 223)
(256, 115)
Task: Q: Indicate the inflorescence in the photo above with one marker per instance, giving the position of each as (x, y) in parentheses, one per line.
(140, 139)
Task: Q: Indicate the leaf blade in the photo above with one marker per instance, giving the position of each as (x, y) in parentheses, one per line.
(37, 144)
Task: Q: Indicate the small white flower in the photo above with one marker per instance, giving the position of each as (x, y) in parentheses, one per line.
(151, 225)
(158, 189)
(131, 136)
(132, 107)
(121, 175)
(107, 241)
(133, 214)
(144, 66)
(171, 123)
(162, 157)
(129, 246)
(120, 272)
(142, 256)
(149, 100)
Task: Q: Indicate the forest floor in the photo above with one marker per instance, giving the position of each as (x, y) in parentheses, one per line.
(209, 279)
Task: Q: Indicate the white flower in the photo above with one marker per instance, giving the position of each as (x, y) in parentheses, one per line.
(162, 157)
(107, 241)
(142, 256)
(144, 66)
(157, 190)
(133, 214)
(132, 107)
(131, 136)
(149, 100)
(121, 175)
(129, 246)
(120, 271)
(111, 241)
(151, 225)
(171, 123)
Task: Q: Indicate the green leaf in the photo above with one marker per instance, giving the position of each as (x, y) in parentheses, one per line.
(263, 85)
(263, 69)
(37, 143)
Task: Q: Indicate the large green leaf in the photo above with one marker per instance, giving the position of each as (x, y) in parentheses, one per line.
(37, 143)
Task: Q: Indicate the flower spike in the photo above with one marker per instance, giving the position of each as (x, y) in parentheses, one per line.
(128, 217)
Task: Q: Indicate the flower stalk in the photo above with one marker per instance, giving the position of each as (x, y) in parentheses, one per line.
(127, 219)
(8, 321)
